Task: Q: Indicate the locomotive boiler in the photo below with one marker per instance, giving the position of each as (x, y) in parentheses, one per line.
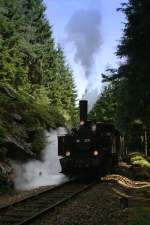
(92, 147)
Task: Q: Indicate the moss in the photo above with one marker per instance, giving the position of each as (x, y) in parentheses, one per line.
(139, 159)
(39, 141)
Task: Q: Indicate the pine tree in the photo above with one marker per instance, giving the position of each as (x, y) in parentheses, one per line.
(105, 107)
(135, 46)
(33, 71)
(132, 76)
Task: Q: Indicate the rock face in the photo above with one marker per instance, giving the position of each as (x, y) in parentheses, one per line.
(18, 149)
(19, 146)
(14, 149)
(15, 136)
(5, 174)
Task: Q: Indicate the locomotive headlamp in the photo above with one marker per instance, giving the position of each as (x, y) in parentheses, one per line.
(68, 153)
(95, 153)
(81, 123)
(93, 128)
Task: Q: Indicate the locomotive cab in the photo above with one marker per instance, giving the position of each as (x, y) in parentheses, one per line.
(91, 147)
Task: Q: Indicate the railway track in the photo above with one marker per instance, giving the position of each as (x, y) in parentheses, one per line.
(25, 211)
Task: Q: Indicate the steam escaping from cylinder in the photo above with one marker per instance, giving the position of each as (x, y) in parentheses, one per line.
(36, 173)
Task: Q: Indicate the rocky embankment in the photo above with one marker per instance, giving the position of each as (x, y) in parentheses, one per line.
(20, 132)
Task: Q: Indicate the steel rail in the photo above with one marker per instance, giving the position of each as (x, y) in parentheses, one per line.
(27, 210)
(33, 195)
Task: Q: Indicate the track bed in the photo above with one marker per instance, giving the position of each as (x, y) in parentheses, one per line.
(32, 207)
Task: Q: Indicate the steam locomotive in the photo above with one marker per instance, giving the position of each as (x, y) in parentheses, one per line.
(92, 147)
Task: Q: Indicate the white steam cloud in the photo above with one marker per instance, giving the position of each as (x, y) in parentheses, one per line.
(92, 96)
(83, 31)
(40, 173)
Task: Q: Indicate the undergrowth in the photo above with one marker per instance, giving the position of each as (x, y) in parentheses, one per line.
(139, 159)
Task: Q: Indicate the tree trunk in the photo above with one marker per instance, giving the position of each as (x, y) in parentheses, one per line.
(146, 142)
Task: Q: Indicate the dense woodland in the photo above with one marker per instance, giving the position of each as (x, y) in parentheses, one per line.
(125, 100)
(37, 90)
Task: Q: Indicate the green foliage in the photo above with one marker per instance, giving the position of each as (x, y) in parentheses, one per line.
(139, 159)
(135, 46)
(129, 98)
(36, 85)
(105, 107)
(39, 141)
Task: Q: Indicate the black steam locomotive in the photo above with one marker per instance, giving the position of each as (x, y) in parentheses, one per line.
(93, 147)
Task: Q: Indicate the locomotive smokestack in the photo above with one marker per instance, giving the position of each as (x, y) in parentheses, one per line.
(83, 110)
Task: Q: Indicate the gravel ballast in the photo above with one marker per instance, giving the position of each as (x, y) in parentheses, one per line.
(16, 196)
(99, 205)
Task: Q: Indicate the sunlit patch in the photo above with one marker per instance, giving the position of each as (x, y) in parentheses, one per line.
(126, 182)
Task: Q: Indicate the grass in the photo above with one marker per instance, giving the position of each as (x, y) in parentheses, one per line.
(141, 216)
(139, 159)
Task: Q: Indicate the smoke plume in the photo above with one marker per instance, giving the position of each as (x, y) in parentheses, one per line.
(92, 96)
(40, 173)
(83, 31)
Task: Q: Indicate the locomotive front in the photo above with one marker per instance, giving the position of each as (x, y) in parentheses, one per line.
(91, 147)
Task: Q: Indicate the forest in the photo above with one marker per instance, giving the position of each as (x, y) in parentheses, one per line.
(125, 100)
(37, 90)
